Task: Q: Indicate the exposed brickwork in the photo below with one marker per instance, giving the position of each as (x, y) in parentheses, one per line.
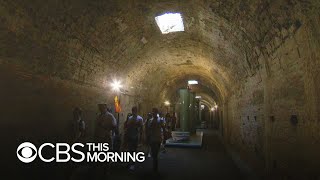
(289, 91)
(245, 126)
(258, 59)
(38, 105)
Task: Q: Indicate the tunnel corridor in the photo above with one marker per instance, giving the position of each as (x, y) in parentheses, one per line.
(256, 64)
(211, 161)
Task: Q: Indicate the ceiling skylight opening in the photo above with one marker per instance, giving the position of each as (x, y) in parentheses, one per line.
(170, 22)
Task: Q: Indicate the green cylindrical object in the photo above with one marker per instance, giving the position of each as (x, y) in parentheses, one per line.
(199, 118)
(192, 115)
(184, 109)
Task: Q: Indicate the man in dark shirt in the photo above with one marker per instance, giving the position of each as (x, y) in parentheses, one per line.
(156, 128)
(133, 129)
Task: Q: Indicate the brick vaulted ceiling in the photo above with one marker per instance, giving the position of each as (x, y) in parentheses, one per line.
(93, 41)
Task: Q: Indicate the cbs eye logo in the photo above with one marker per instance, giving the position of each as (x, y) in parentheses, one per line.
(25, 151)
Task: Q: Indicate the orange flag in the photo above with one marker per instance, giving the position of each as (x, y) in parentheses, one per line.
(117, 104)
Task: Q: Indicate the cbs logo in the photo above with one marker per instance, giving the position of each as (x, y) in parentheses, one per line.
(26, 152)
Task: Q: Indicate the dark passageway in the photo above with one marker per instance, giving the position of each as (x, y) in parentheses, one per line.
(247, 69)
(211, 161)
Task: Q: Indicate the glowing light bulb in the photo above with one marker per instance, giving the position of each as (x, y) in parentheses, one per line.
(116, 85)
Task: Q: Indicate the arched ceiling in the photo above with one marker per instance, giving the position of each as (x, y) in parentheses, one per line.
(95, 41)
(206, 89)
(206, 103)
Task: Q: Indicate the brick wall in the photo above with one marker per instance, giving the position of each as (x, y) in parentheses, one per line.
(38, 108)
(260, 123)
(245, 126)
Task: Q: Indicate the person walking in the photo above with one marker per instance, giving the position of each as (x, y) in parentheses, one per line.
(164, 133)
(133, 130)
(173, 121)
(147, 134)
(105, 124)
(156, 128)
(80, 125)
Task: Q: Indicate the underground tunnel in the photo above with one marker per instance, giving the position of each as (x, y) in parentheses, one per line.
(255, 96)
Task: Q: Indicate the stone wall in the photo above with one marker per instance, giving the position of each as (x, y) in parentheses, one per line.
(44, 104)
(273, 118)
(37, 108)
(245, 126)
(293, 92)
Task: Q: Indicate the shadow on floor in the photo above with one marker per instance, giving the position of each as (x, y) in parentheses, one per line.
(209, 162)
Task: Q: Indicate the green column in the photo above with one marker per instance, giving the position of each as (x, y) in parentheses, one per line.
(200, 114)
(184, 109)
(197, 112)
(192, 114)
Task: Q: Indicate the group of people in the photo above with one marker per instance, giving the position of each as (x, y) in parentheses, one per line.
(151, 132)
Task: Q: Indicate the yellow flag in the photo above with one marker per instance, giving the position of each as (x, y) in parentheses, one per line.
(117, 104)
